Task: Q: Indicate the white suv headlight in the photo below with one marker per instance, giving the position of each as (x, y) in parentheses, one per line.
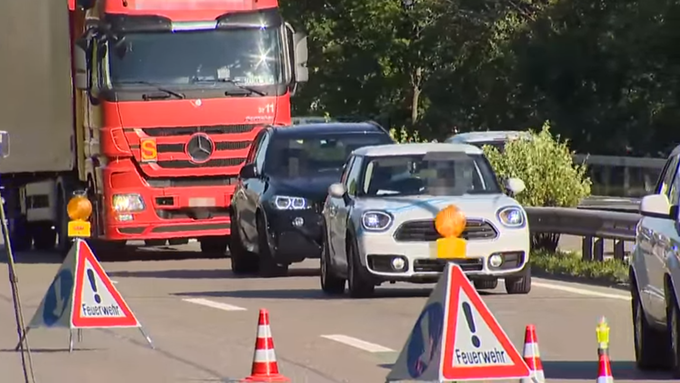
(282, 202)
(511, 216)
(127, 203)
(376, 220)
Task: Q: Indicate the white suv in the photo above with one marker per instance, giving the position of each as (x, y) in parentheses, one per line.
(655, 275)
(379, 220)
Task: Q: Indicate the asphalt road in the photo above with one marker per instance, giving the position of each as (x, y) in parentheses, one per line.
(203, 321)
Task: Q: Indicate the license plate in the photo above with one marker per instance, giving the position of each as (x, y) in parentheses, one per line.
(202, 202)
(450, 248)
(79, 229)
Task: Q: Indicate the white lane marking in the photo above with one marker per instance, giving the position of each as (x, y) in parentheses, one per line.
(114, 282)
(575, 290)
(357, 343)
(213, 304)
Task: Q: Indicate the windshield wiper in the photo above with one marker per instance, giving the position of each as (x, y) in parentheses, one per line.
(237, 84)
(166, 92)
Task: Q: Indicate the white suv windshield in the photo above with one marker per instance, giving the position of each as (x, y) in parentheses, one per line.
(440, 173)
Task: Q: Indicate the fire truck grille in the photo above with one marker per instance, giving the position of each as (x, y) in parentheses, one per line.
(223, 162)
(190, 130)
(219, 146)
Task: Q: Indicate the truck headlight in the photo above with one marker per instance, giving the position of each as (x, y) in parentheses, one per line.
(282, 202)
(376, 220)
(127, 203)
(511, 216)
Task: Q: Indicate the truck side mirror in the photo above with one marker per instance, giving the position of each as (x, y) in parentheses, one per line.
(80, 64)
(4, 144)
(301, 56)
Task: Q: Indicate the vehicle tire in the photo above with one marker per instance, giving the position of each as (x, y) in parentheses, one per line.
(519, 284)
(652, 347)
(673, 324)
(44, 236)
(269, 268)
(486, 284)
(242, 261)
(19, 231)
(331, 284)
(20, 235)
(155, 242)
(214, 247)
(359, 285)
(178, 241)
(64, 242)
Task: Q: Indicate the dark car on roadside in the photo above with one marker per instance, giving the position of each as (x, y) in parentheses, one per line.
(276, 208)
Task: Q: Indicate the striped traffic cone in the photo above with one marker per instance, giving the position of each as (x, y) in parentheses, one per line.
(532, 357)
(265, 368)
(604, 374)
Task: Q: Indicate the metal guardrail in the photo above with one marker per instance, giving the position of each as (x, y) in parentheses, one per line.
(594, 226)
(622, 176)
(621, 204)
(601, 218)
(625, 162)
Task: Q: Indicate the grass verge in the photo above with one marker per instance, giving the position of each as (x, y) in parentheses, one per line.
(571, 266)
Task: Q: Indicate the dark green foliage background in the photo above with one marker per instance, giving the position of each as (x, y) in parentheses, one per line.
(605, 73)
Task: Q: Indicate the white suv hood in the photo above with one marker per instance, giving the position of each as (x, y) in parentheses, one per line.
(426, 207)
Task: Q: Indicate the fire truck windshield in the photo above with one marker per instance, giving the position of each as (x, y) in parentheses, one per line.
(249, 57)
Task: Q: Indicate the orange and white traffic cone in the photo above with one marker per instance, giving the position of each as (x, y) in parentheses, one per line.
(265, 368)
(604, 374)
(532, 357)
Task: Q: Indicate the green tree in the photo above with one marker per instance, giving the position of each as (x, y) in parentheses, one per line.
(546, 166)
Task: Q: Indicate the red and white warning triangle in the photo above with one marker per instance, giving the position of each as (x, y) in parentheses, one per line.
(97, 302)
(82, 296)
(456, 338)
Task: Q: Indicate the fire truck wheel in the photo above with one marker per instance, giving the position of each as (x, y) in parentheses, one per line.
(214, 247)
(154, 242)
(178, 241)
(44, 236)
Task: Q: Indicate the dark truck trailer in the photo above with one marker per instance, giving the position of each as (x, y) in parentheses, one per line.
(37, 110)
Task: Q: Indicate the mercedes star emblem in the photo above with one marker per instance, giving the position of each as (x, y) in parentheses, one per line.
(200, 147)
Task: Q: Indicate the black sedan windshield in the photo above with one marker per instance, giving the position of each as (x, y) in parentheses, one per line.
(248, 56)
(311, 156)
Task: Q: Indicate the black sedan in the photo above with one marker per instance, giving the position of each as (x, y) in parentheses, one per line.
(276, 208)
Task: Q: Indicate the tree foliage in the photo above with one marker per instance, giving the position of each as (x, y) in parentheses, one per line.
(545, 164)
(605, 73)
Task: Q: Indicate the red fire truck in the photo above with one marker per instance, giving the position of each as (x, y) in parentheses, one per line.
(151, 114)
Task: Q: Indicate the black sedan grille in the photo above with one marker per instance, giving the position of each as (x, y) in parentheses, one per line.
(424, 231)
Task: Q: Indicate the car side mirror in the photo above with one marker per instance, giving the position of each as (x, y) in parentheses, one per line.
(657, 206)
(337, 190)
(514, 185)
(248, 171)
